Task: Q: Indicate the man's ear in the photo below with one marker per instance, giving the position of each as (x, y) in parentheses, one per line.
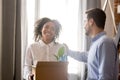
(91, 21)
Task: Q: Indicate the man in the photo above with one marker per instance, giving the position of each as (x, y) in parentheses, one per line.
(102, 58)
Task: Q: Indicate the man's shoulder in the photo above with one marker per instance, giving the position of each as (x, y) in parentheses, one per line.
(105, 38)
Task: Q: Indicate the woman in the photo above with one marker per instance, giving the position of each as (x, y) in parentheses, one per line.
(45, 47)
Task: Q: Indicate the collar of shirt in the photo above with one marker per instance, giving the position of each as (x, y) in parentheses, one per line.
(98, 36)
(50, 44)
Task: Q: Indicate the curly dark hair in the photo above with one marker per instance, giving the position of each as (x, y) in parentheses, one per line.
(39, 25)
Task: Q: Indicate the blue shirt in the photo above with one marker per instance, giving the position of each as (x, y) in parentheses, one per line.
(102, 58)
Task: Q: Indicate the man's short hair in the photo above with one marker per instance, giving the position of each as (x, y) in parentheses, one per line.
(98, 16)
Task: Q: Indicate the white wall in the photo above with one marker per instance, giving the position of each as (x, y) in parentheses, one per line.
(0, 34)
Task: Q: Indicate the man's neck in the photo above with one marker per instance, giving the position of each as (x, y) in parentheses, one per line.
(95, 32)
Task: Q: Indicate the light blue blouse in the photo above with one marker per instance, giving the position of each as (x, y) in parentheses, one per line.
(102, 58)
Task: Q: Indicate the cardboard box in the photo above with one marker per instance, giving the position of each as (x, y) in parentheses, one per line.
(51, 71)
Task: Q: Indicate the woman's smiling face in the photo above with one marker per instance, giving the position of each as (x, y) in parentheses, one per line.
(48, 32)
